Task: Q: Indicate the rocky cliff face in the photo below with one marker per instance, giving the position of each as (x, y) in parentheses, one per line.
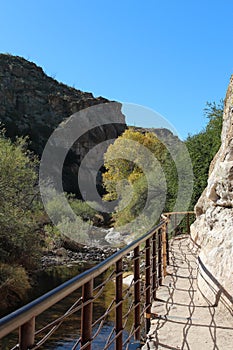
(33, 104)
(213, 228)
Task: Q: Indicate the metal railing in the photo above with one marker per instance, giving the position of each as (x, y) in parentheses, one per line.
(146, 258)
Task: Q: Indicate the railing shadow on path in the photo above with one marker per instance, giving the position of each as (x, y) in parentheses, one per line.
(191, 320)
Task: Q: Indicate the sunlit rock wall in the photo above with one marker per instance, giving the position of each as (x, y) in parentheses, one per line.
(213, 228)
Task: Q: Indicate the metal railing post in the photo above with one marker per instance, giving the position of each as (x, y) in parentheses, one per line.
(175, 224)
(119, 306)
(148, 285)
(160, 257)
(137, 294)
(167, 244)
(164, 249)
(154, 266)
(27, 334)
(188, 224)
(87, 313)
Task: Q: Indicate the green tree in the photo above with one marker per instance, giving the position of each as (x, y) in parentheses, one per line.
(203, 147)
(18, 241)
(72, 224)
(19, 238)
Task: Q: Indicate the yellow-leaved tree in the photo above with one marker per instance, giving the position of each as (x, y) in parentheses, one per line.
(134, 170)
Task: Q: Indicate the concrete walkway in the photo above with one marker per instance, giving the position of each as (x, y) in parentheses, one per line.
(182, 321)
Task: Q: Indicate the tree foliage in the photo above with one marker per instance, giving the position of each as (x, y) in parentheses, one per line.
(203, 147)
(14, 284)
(73, 224)
(133, 169)
(125, 164)
(19, 239)
(18, 177)
(124, 159)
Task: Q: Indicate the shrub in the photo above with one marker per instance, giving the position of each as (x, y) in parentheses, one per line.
(14, 285)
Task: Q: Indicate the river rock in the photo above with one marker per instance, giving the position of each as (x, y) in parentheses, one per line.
(213, 228)
(115, 238)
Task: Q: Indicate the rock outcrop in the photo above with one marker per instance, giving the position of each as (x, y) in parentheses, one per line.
(213, 228)
(33, 104)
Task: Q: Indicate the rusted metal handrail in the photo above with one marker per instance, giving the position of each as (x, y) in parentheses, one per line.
(155, 257)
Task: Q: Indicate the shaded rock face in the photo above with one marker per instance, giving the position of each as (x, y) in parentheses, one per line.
(213, 228)
(33, 104)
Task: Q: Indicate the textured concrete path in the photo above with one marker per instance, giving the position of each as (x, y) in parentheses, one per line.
(182, 321)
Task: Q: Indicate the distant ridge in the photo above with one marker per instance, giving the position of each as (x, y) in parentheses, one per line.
(33, 104)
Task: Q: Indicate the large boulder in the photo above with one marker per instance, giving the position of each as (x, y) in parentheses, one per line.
(213, 228)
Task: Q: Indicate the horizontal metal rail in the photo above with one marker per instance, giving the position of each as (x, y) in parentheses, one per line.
(151, 250)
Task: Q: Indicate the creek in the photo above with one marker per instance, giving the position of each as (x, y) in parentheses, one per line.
(66, 335)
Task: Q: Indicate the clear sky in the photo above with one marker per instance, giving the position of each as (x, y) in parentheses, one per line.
(171, 56)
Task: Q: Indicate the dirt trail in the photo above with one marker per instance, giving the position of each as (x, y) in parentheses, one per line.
(182, 321)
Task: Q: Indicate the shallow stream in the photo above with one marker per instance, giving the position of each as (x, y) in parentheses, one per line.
(69, 332)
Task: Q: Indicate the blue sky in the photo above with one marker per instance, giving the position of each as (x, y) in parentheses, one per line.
(170, 56)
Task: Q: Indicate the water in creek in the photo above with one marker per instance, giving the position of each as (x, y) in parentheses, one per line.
(66, 335)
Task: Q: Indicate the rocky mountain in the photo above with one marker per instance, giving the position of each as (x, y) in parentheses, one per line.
(163, 134)
(213, 228)
(33, 104)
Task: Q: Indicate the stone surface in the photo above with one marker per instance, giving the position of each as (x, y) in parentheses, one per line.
(213, 228)
(179, 321)
(82, 255)
(116, 238)
(33, 104)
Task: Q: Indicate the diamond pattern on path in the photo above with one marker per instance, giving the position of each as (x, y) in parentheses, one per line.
(180, 320)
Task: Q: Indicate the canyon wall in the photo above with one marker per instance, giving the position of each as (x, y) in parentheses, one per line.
(213, 228)
(33, 104)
